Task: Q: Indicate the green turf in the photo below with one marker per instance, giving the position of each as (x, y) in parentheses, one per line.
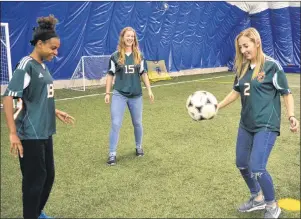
(188, 170)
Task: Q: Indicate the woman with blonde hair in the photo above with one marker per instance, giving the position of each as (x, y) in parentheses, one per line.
(127, 65)
(259, 81)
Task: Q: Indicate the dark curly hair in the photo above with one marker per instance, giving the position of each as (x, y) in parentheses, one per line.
(45, 29)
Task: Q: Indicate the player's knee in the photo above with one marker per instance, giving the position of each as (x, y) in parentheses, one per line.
(116, 124)
(137, 123)
(256, 174)
(34, 183)
(241, 164)
(244, 170)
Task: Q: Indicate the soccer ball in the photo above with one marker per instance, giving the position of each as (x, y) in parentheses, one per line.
(201, 105)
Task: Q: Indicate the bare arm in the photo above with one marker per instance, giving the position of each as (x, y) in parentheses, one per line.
(64, 117)
(231, 97)
(147, 85)
(9, 113)
(289, 105)
(109, 81)
(15, 143)
(146, 81)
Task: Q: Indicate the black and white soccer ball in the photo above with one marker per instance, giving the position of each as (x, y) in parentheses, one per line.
(201, 105)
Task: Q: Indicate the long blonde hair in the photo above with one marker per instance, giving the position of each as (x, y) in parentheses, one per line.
(241, 64)
(135, 47)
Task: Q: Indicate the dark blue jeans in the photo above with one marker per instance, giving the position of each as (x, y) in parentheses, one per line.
(252, 153)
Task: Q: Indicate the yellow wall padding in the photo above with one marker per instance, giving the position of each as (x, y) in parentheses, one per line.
(157, 71)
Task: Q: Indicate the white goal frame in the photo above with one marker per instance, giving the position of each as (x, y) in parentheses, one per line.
(81, 84)
(7, 46)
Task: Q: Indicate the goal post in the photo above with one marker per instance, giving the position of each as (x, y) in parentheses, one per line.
(6, 67)
(90, 71)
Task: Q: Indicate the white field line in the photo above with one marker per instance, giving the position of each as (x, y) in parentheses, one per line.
(159, 85)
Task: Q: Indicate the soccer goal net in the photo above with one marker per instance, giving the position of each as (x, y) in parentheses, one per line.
(6, 68)
(90, 72)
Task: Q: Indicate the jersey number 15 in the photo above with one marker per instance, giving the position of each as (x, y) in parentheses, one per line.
(129, 69)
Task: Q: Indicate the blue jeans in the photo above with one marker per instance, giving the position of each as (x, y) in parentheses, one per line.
(118, 106)
(252, 153)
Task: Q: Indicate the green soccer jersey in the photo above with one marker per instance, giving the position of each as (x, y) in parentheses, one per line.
(260, 97)
(127, 76)
(32, 82)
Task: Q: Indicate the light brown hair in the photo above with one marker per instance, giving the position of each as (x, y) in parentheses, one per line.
(135, 47)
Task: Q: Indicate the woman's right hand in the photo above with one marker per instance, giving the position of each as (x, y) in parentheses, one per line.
(107, 98)
(15, 145)
(294, 124)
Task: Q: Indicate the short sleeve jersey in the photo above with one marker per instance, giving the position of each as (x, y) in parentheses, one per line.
(127, 76)
(32, 82)
(260, 97)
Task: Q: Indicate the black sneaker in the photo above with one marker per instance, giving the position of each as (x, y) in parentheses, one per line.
(139, 152)
(111, 160)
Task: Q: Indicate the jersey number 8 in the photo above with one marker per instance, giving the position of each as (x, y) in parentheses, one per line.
(50, 90)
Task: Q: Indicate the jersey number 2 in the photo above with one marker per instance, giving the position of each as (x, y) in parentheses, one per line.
(50, 90)
(247, 89)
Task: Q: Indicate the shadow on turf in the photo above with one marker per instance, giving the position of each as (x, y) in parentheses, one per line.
(125, 159)
(254, 214)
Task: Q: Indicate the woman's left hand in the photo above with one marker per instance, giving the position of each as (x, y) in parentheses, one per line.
(294, 124)
(151, 96)
(64, 117)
